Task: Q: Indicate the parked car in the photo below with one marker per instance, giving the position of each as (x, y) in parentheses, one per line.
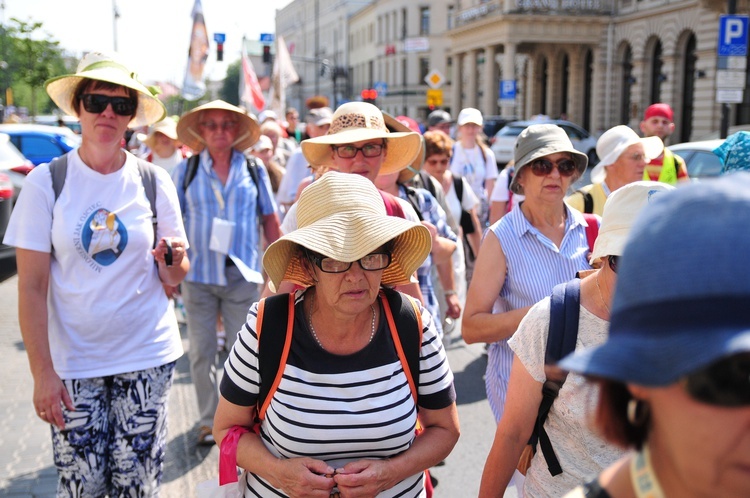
(492, 124)
(41, 143)
(699, 158)
(505, 138)
(52, 120)
(13, 170)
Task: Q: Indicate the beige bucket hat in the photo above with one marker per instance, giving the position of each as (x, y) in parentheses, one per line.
(167, 127)
(106, 67)
(343, 217)
(188, 133)
(357, 121)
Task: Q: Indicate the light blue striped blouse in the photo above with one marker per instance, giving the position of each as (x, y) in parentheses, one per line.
(534, 266)
(200, 205)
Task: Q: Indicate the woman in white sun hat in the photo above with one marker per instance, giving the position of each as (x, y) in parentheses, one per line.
(163, 145)
(101, 338)
(343, 415)
(624, 155)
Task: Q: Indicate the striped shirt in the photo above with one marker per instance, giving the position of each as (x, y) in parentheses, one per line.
(433, 213)
(339, 408)
(534, 266)
(236, 201)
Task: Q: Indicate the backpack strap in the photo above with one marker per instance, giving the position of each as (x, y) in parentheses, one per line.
(148, 177)
(429, 185)
(588, 202)
(190, 171)
(58, 168)
(561, 340)
(511, 172)
(392, 206)
(592, 230)
(275, 346)
(458, 186)
(403, 323)
(413, 197)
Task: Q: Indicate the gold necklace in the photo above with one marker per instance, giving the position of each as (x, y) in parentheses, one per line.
(600, 295)
(315, 336)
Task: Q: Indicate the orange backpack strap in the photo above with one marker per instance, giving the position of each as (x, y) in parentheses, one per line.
(273, 351)
(407, 340)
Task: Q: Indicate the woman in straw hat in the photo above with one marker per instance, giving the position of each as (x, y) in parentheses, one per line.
(624, 156)
(673, 376)
(225, 204)
(539, 244)
(163, 145)
(343, 414)
(101, 337)
(579, 450)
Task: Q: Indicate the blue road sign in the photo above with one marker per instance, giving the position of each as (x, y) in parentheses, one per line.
(266, 37)
(733, 35)
(508, 90)
(381, 87)
(220, 37)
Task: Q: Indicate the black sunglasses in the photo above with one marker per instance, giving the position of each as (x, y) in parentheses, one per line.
(613, 262)
(96, 103)
(724, 383)
(543, 167)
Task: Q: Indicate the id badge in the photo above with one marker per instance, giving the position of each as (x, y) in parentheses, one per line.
(221, 235)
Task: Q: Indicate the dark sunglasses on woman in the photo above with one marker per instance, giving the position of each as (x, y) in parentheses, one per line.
(724, 383)
(543, 167)
(95, 104)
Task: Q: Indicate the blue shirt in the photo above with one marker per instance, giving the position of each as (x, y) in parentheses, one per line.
(202, 202)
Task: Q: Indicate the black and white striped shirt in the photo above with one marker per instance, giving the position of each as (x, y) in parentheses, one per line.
(339, 408)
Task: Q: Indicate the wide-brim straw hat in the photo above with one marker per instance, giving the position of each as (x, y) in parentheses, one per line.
(167, 127)
(394, 125)
(343, 217)
(614, 142)
(357, 121)
(106, 67)
(189, 132)
(539, 140)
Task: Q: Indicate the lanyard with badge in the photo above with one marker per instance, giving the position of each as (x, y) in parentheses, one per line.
(222, 230)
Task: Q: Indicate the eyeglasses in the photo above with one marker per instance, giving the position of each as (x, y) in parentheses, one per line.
(638, 157)
(96, 104)
(724, 383)
(613, 262)
(349, 151)
(372, 262)
(543, 167)
(224, 125)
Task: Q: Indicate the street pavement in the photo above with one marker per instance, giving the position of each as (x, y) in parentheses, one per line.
(26, 465)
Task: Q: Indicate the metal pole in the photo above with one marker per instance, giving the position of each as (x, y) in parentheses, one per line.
(724, 130)
(115, 16)
(315, 56)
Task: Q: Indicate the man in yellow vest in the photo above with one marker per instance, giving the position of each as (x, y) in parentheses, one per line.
(658, 121)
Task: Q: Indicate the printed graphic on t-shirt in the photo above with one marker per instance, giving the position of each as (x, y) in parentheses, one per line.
(103, 237)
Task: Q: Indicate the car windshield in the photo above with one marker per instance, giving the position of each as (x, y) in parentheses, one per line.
(71, 142)
(510, 131)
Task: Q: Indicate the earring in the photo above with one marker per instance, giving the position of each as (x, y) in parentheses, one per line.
(637, 412)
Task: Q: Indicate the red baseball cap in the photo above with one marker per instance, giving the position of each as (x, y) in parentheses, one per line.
(661, 110)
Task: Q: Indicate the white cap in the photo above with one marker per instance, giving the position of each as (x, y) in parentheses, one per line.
(267, 114)
(470, 115)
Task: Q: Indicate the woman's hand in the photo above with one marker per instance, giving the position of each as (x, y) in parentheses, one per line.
(303, 477)
(363, 478)
(49, 393)
(167, 245)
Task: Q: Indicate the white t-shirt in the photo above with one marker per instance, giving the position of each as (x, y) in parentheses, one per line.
(108, 313)
(297, 169)
(501, 192)
(581, 452)
(476, 164)
(168, 163)
(469, 199)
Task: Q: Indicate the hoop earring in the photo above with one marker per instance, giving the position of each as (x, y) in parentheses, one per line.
(637, 412)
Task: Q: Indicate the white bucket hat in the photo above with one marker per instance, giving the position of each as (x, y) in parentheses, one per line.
(343, 217)
(106, 67)
(620, 212)
(247, 134)
(357, 121)
(613, 143)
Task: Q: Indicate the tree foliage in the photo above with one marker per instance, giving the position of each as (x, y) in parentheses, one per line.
(230, 90)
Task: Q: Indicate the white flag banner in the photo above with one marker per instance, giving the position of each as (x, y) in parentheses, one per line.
(194, 87)
(282, 77)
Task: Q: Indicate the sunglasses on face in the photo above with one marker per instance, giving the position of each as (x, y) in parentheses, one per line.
(372, 262)
(543, 167)
(613, 262)
(96, 104)
(349, 151)
(725, 383)
(224, 125)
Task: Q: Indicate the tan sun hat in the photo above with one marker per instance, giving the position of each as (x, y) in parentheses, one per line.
(106, 67)
(167, 127)
(343, 217)
(394, 125)
(189, 134)
(357, 121)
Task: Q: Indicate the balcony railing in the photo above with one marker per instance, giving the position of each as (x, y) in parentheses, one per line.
(550, 7)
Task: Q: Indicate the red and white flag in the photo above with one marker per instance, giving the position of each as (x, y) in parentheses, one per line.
(250, 91)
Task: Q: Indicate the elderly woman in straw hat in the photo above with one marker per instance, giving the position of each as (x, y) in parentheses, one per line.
(222, 198)
(539, 244)
(624, 156)
(163, 145)
(101, 338)
(343, 415)
(673, 376)
(579, 450)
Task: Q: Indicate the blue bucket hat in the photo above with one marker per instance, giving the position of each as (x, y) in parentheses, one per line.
(735, 152)
(682, 298)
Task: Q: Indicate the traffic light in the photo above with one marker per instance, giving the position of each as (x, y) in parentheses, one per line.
(369, 95)
(267, 54)
(219, 52)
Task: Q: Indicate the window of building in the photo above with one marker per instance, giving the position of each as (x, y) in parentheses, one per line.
(424, 21)
(424, 68)
(451, 15)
